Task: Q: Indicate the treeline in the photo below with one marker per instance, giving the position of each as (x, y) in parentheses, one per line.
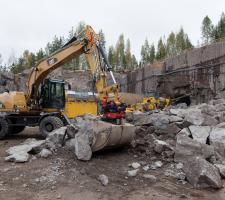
(211, 32)
(120, 55)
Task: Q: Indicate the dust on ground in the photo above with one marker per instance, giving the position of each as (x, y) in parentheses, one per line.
(62, 176)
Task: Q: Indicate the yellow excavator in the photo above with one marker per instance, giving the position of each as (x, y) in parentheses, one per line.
(44, 102)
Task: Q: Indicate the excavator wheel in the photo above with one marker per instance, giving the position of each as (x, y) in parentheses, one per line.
(17, 129)
(48, 124)
(5, 129)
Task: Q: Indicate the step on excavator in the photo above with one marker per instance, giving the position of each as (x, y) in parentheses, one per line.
(43, 103)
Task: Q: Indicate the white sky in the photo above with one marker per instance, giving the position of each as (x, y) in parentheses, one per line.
(30, 24)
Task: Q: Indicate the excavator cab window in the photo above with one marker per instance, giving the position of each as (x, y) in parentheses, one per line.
(53, 94)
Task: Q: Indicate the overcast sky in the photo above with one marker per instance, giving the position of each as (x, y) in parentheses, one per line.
(30, 24)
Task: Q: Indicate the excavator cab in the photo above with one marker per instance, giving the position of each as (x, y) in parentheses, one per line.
(52, 94)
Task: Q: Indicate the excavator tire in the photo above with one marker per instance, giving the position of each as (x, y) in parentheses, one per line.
(17, 129)
(48, 124)
(4, 128)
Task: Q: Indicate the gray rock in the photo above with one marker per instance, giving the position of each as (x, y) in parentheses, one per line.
(171, 130)
(209, 121)
(217, 139)
(20, 152)
(200, 133)
(221, 169)
(178, 112)
(103, 179)
(54, 139)
(71, 130)
(220, 107)
(132, 173)
(45, 153)
(152, 178)
(202, 174)
(135, 165)
(156, 165)
(174, 118)
(194, 116)
(160, 146)
(185, 131)
(18, 157)
(70, 144)
(188, 148)
(220, 125)
(82, 146)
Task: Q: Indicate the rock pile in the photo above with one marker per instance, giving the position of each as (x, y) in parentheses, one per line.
(193, 136)
(86, 134)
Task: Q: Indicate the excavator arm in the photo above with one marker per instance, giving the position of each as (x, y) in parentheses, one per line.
(88, 43)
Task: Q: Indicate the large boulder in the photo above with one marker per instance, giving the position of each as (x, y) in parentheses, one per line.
(202, 174)
(55, 139)
(187, 148)
(217, 139)
(20, 153)
(96, 135)
(200, 133)
(194, 116)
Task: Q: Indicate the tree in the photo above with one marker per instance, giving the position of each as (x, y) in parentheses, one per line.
(207, 30)
(128, 56)
(182, 41)
(40, 55)
(171, 46)
(161, 50)
(152, 53)
(120, 53)
(112, 56)
(219, 31)
(55, 45)
(145, 52)
(0, 59)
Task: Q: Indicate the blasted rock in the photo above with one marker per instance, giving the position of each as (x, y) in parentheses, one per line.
(83, 146)
(200, 133)
(194, 116)
(217, 139)
(202, 174)
(221, 169)
(54, 139)
(20, 153)
(103, 179)
(187, 148)
(160, 146)
(19, 157)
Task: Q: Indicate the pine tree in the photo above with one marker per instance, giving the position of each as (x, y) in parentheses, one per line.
(128, 56)
(207, 30)
(171, 46)
(219, 31)
(120, 53)
(39, 55)
(145, 52)
(111, 57)
(161, 50)
(152, 53)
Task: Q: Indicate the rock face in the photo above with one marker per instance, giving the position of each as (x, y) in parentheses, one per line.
(202, 174)
(188, 148)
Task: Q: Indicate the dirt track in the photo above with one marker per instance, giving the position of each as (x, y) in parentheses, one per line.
(63, 177)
